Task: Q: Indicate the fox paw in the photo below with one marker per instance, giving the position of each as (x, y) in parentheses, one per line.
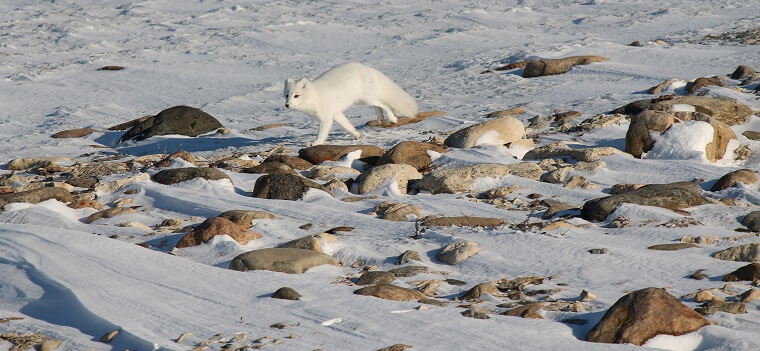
(358, 136)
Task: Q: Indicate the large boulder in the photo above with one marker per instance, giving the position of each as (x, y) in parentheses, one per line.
(413, 153)
(285, 260)
(376, 176)
(727, 111)
(283, 186)
(497, 131)
(744, 253)
(671, 196)
(390, 292)
(455, 180)
(178, 175)
(216, 226)
(752, 221)
(644, 314)
(749, 272)
(558, 66)
(183, 120)
(638, 138)
(746, 176)
(455, 253)
(320, 153)
(36, 196)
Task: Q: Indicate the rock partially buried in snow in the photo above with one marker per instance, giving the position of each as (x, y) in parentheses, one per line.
(244, 218)
(286, 293)
(73, 133)
(390, 292)
(111, 212)
(283, 186)
(558, 66)
(455, 253)
(638, 138)
(701, 82)
(726, 111)
(36, 196)
(291, 161)
(327, 172)
(396, 212)
(376, 277)
(746, 176)
(587, 155)
(377, 176)
(455, 180)
(644, 314)
(181, 120)
(526, 311)
(285, 260)
(749, 272)
(752, 221)
(742, 253)
(22, 164)
(478, 290)
(320, 153)
(309, 242)
(672, 246)
(463, 221)
(408, 255)
(413, 153)
(216, 226)
(671, 196)
(178, 175)
(498, 131)
(742, 72)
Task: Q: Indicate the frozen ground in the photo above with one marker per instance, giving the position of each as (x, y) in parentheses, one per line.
(230, 58)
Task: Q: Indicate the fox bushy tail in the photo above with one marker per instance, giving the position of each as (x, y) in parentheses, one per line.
(401, 102)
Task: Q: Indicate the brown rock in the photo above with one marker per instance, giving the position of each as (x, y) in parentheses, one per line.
(396, 212)
(320, 153)
(638, 138)
(713, 306)
(74, 133)
(658, 88)
(269, 168)
(558, 66)
(402, 120)
(726, 111)
(526, 311)
(286, 293)
(413, 153)
(672, 247)
(746, 176)
(285, 260)
(390, 292)
(178, 175)
(396, 347)
(182, 154)
(644, 314)
(268, 126)
(463, 221)
(216, 226)
(742, 72)
(111, 212)
(749, 272)
(745, 253)
(290, 161)
(478, 290)
(36, 196)
(376, 277)
(309, 242)
(508, 112)
(692, 87)
(244, 218)
(283, 186)
(749, 295)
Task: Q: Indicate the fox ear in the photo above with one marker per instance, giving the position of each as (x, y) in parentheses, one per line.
(303, 82)
(288, 82)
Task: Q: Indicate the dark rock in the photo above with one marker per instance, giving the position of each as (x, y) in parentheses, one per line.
(638, 138)
(182, 154)
(74, 133)
(269, 168)
(286, 260)
(671, 196)
(713, 306)
(36, 196)
(390, 292)
(644, 314)
(557, 66)
(672, 247)
(634, 43)
(749, 272)
(408, 271)
(478, 290)
(455, 282)
(477, 313)
(526, 311)
(752, 134)
(752, 221)
(320, 153)
(692, 87)
(290, 161)
(216, 226)
(413, 153)
(244, 218)
(698, 275)
(182, 120)
(409, 255)
(742, 72)
(376, 277)
(602, 251)
(746, 176)
(283, 186)
(286, 293)
(726, 111)
(178, 175)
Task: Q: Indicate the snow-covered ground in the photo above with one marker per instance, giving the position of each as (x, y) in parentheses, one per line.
(70, 281)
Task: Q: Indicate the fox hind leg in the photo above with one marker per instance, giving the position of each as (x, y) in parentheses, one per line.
(379, 113)
(346, 124)
(388, 113)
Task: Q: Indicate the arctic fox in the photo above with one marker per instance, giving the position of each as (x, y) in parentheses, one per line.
(343, 86)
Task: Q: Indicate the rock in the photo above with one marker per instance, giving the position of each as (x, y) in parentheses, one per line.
(638, 138)
(671, 196)
(375, 177)
(412, 153)
(587, 155)
(557, 225)
(749, 295)
(22, 164)
(408, 271)
(746, 176)
(752, 221)
(635, 43)
(586, 296)
(396, 212)
(49, 345)
(337, 187)
(598, 121)
(660, 87)
(182, 120)
(554, 207)
(134, 225)
(309, 242)
(498, 193)
(672, 247)
(286, 260)
(742, 253)
(722, 134)
(395, 347)
(752, 134)
(698, 275)
(704, 295)
(74, 133)
(36, 196)
(320, 153)
(713, 306)
(565, 117)
(558, 66)
(699, 83)
(286, 293)
(455, 253)
(390, 292)
(463, 221)
(526, 311)
(742, 72)
(751, 79)
(578, 181)
(749, 272)
(409, 255)
(328, 172)
(216, 226)
(182, 154)
(498, 131)
(376, 277)
(724, 110)
(119, 183)
(284, 187)
(702, 239)
(402, 120)
(178, 175)
(602, 251)
(624, 188)
(244, 218)
(644, 314)
(478, 290)
(477, 313)
(290, 161)
(455, 180)
(269, 168)
(108, 337)
(434, 302)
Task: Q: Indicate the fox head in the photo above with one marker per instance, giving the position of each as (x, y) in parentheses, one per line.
(297, 93)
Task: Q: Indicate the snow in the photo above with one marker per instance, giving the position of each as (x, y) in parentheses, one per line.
(75, 281)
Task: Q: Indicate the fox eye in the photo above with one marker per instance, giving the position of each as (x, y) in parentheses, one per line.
(296, 96)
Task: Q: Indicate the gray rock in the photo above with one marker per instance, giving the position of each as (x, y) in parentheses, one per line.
(672, 196)
(713, 306)
(409, 255)
(390, 292)
(178, 175)
(455, 180)
(36, 196)
(408, 271)
(284, 187)
(182, 120)
(742, 253)
(752, 221)
(602, 251)
(286, 293)
(724, 110)
(477, 313)
(376, 277)
(672, 246)
(377, 176)
(286, 260)
(326, 172)
(589, 154)
(463, 221)
(455, 253)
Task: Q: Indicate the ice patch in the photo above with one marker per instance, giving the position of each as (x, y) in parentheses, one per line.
(682, 108)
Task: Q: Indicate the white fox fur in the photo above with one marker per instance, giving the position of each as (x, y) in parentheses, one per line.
(345, 85)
